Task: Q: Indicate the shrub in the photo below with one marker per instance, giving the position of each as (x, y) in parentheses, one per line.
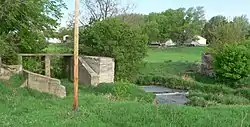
(232, 62)
(116, 39)
(33, 64)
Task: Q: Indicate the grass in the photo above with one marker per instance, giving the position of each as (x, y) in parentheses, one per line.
(174, 61)
(183, 54)
(21, 107)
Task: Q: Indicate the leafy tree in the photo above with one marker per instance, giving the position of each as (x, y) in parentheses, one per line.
(178, 24)
(232, 62)
(152, 30)
(219, 31)
(161, 21)
(243, 23)
(114, 38)
(209, 30)
(194, 22)
(25, 24)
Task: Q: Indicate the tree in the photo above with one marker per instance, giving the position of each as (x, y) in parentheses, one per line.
(232, 62)
(114, 38)
(178, 25)
(209, 30)
(102, 9)
(25, 24)
(219, 31)
(194, 22)
(242, 22)
(152, 30)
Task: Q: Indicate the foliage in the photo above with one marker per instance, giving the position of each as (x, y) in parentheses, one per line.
(26, 24)
(116, 39)
(7, 52)
(34, 64)
(219, 31)
(232, 62)
(177, 24)
(58, 63)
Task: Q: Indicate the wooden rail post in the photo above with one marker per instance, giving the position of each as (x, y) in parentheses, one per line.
(20, 59)
(47, 65)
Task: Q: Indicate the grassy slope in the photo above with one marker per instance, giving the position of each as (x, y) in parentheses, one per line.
(172, 60)
(22, 107)
(190, 54)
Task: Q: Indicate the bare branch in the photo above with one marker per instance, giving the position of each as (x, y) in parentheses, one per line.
(102, 9)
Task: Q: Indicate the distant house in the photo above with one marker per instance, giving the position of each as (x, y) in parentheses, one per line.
(66, 37)
(53, 40)
(169, 43)
(162, 44)
(197, 41)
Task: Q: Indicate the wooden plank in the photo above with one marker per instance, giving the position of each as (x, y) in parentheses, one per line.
(47, 65)
(45, 54)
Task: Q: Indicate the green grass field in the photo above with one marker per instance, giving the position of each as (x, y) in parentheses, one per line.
(189, 54)
(21, 107)
(171, 60)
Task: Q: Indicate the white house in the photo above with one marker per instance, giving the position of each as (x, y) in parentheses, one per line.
(169, 43)
(53, 40)
(200, 41)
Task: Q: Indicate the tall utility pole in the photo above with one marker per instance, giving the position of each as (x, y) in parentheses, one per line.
(76, 41)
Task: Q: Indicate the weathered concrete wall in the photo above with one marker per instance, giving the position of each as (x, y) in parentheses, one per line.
(94, 70)
(6, 71)
(44, 84)
(107, 70)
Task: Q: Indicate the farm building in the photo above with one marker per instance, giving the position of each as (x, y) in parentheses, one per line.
(169, 43)
(199, 41)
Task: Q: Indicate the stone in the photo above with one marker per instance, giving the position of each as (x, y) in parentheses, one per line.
(206, 65)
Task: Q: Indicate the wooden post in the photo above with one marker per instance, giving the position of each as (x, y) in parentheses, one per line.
(76, 41)
(20, 59)
(47, 65)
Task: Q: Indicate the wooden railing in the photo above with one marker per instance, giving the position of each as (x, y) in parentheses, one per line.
(47, 60)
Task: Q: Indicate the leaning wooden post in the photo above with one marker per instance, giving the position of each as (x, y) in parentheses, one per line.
(76, 41)
(47, 65)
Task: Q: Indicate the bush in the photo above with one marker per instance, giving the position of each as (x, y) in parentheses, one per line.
(232, 62)
(116, 39)
(34, 64)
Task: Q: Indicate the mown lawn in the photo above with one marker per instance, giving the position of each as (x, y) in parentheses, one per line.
(189, 54)
(171, 60)
(21, 108)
